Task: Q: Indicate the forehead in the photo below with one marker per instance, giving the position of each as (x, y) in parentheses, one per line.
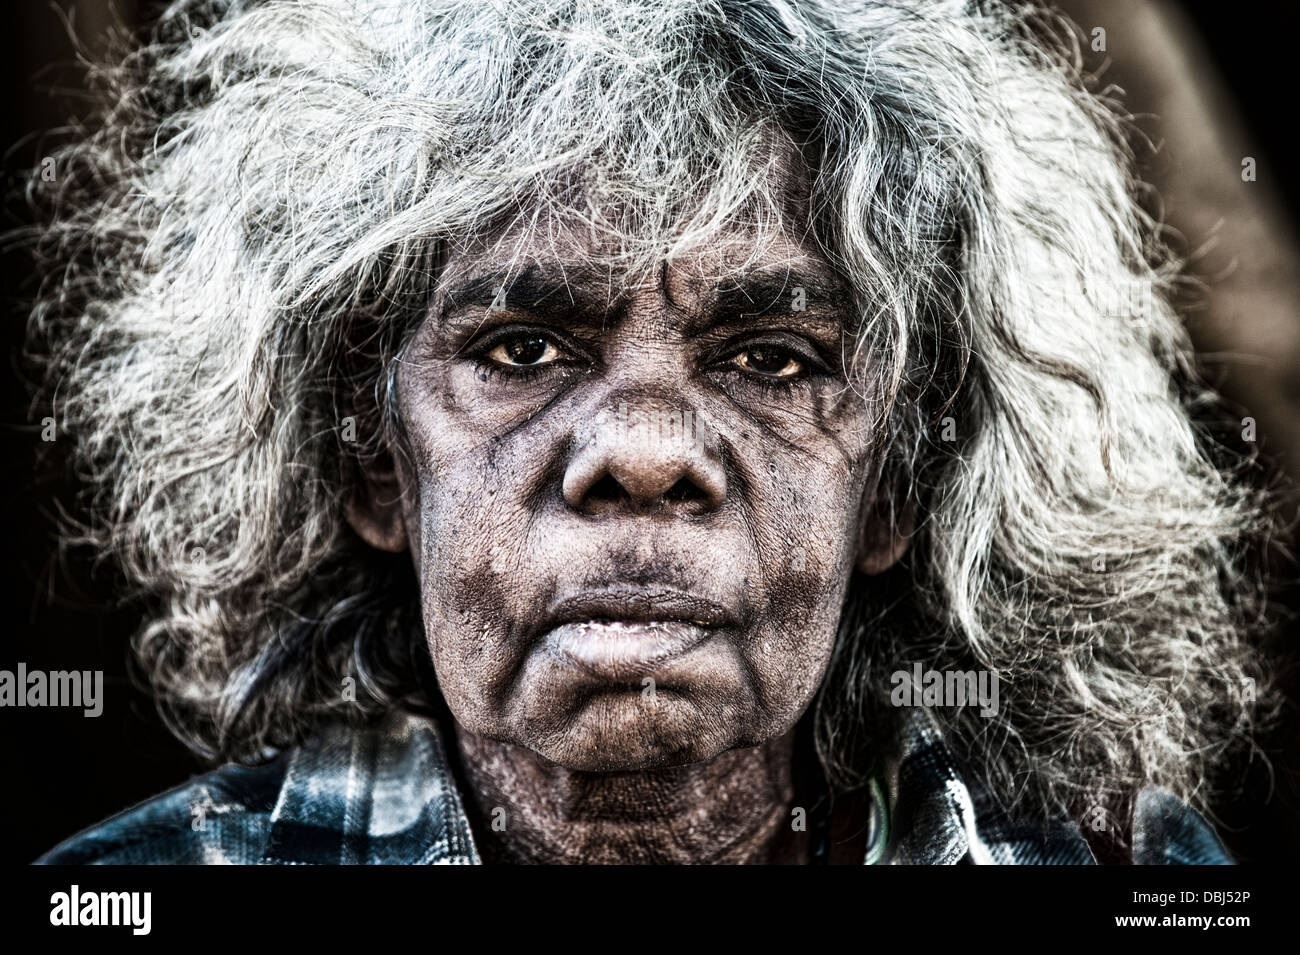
(770, 232)
(730, 258)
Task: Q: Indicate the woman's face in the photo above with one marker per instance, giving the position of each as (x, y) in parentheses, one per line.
(634, 510)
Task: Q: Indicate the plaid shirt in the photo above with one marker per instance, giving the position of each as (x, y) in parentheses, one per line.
(386, 795)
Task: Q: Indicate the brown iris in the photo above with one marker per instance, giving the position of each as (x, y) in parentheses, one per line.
(525, 350)
(768, 360)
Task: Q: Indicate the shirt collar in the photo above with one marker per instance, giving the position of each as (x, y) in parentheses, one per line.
(381, 796)
(386, 794)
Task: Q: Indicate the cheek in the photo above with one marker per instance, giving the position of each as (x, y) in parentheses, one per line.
(465, 539)
(805, 518)
(806, 539)
(805, 499)
(470, 592)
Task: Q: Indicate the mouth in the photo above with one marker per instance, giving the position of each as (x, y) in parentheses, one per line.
(624, 632)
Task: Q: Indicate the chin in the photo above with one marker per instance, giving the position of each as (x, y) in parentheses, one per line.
(625, 731)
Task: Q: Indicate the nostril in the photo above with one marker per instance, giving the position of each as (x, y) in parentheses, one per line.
(610, 491)
(684, 490)
(607, 489)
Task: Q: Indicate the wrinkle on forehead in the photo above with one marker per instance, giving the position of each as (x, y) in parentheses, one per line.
(565, 220)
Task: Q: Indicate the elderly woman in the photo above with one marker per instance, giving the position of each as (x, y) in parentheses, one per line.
(638, 431)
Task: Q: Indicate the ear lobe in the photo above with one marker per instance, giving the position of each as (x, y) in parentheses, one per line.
(374, 510)
(884, 535)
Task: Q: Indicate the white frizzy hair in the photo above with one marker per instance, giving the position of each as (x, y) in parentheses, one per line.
(236, 254)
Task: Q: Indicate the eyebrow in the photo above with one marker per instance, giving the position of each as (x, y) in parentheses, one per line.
(784, 292)
(561, 293)
(553, 292)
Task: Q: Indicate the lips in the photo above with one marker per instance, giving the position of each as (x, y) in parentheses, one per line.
(624, 632)
(634, 603)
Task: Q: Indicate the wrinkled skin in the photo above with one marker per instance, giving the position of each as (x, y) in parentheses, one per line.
(520, 488)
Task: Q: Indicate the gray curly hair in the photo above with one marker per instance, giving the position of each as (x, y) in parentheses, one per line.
(238, 249)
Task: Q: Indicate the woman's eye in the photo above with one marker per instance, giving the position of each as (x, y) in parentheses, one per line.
(524, 351)
(769, 361)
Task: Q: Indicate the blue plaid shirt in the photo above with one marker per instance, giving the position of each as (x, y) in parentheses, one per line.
(386, 795)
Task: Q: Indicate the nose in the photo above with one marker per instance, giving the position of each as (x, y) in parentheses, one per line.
(646, 456)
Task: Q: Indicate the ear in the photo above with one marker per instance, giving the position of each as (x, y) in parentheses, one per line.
(884, 531)
(374, 509)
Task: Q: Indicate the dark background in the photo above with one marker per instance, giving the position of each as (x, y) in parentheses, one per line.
(63, 772)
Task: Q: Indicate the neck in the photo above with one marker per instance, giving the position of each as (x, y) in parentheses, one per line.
(734, 808)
